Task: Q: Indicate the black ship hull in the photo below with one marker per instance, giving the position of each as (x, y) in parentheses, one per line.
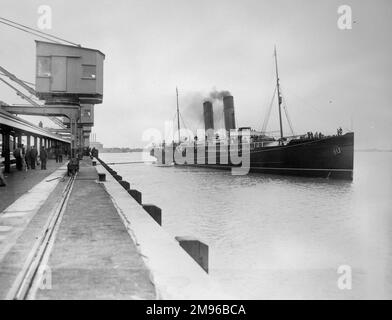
(329, 157)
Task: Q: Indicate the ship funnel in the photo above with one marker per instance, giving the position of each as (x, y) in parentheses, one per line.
(228, 110)
(208, 118)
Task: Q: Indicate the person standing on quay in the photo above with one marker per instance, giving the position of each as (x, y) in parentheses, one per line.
(43, 157)
(2, 179)
(57, 154)
(61, 154)
(33, 157)
(18, 157)
(24, 167)
(28, 157)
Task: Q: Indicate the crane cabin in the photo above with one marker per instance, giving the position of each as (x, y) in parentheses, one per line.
(68, 74)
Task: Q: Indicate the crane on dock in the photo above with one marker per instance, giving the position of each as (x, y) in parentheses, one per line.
(29, 89)
(69, 79)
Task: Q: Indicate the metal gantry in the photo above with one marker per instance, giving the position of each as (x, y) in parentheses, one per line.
(68, 77)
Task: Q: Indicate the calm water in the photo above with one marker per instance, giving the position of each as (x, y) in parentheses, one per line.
(280, 237)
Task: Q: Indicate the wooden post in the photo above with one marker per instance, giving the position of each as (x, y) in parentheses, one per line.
(137, 195)
(125, 184)
(154, 211)
(163, 152)
(196, 249)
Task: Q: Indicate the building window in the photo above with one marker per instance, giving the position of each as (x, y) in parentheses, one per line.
(43, 67)
(89, 71)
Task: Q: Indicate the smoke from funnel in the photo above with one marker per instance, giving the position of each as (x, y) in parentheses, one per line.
(216, 98)
(190, 108)
(219, 95)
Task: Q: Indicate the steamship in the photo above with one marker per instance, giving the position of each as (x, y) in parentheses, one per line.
(312, 155)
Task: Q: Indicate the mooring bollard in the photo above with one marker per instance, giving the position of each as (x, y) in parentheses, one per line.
(196, 249)
(154, 211)
(101, 176)
(125, 184)
(117, 177)
(137, 195)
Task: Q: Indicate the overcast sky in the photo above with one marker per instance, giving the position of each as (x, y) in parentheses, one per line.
(330, 77)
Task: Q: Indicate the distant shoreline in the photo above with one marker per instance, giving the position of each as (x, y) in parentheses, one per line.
(120, 150)
(372, 150)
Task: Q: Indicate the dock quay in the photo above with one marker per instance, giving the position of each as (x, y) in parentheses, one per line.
(76, 229)
(76, 237)
(194, 159)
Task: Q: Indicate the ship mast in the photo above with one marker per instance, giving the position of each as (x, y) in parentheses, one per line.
(279, 96)
(178, 118)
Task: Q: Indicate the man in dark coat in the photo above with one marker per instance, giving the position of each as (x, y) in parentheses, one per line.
(33, 157)
(28, 157)
(2, 179)
(18, 157)
(57, 154)
(43, 155)
(61, 154)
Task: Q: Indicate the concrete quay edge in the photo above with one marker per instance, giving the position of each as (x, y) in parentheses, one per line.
(174, 273)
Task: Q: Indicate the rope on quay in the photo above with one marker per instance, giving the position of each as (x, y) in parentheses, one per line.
(55, 179)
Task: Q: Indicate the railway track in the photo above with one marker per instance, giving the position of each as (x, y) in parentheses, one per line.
(35, 270)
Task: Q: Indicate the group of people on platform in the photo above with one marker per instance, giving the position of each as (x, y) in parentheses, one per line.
(93, 152)
(28, 158)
